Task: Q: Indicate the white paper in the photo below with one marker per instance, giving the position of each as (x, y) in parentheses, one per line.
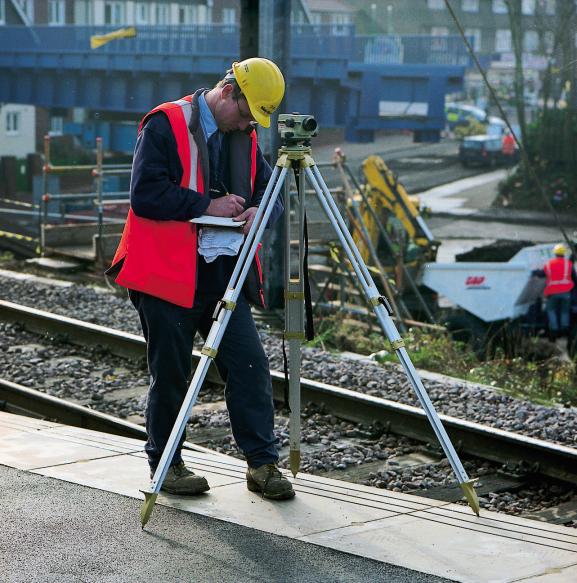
(217, 221)
(215, 241)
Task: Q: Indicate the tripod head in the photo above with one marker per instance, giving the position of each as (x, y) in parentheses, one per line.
(296, 129)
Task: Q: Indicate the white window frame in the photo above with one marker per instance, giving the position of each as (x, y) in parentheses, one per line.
(436, 4)
(56, 125)
(2, 12)
(56, 12)
(499, 7)
(162, 14)
(12, 121)
(503, 40)
(528, 7)
(116, 10)
(142, 13)
(229, 16)
(185, 15)
(477, 35)
(470, 6)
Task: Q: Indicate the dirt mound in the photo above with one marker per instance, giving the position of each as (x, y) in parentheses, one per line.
(499, 251)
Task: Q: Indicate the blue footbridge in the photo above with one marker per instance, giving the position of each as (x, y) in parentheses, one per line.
(360, 83)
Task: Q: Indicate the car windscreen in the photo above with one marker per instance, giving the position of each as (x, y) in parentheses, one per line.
(472, 145)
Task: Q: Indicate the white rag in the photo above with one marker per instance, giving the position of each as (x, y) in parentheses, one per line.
(214, 242)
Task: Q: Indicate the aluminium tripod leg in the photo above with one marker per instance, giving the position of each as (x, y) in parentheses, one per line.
(294, 319)
(221, 318)
(383, 313)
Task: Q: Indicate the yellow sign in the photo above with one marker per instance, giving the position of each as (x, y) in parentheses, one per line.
(98, 40)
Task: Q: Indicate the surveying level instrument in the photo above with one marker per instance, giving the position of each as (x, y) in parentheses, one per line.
(295, 154)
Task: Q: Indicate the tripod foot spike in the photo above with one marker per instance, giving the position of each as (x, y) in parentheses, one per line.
(147, 507)
(471, 495)
(295, 461)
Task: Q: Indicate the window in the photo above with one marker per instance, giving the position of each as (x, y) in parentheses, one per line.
(531, 41)
(2, 12)
(499, 7)
(528, 7)
(162, 14)
(549, 41)
(475, 35)
(56, 12)
(142, 13)
(56, 126)
(339, 23)
(229, 15)
(470, 6)
(436, 4)
(548, 6)
(12, 123)
(114, 13)
(503, 40)
(185, 15)
(439, 31)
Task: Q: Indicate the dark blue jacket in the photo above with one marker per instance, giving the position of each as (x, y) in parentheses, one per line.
(155, 191)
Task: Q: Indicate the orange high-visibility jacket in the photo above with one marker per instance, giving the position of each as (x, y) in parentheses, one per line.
(558, 272)
(159, 257)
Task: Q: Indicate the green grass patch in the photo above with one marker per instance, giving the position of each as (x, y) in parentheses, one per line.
(547, 381)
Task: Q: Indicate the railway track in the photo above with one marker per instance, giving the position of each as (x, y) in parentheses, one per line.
(541, 457)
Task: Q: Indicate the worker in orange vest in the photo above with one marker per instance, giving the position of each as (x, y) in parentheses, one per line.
(509, 147)
(560, 282)
(196, 156)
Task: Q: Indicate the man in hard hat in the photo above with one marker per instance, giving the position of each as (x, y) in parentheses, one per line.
(560, 281)
(199, 156)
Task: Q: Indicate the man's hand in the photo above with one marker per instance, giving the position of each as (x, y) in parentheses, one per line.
(230, 205)
(247, 216)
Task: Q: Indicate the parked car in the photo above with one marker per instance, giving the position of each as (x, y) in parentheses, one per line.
(459, 114)
(485, 150)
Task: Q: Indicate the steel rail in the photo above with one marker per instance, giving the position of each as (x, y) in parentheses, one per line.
(18, 399)
(549, 459)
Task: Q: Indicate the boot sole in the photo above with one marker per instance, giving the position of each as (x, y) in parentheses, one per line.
(254, 487)
(178, 492)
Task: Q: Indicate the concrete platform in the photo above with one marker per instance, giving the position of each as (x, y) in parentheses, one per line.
(388, 533)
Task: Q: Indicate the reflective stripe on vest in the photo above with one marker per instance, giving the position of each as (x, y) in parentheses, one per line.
(558, 272)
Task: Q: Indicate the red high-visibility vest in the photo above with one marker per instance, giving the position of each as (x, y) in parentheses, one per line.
(159, 257)
(558, 272)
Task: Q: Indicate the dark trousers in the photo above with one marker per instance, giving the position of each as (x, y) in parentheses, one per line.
(169, 331)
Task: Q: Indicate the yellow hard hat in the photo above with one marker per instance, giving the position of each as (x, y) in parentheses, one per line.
(262, 83)
(559, 249)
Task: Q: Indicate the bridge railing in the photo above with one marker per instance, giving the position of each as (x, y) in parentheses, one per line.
(410, 50)
(319, 41)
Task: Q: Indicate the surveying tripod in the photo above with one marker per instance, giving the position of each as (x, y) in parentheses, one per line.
(295, 153)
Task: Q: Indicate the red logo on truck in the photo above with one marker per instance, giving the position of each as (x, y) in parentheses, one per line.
(475, 280)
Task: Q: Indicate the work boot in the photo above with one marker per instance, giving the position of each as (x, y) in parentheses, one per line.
(182, 482)
(268, 480)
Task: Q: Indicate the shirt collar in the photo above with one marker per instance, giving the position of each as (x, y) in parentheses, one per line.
(207, 120)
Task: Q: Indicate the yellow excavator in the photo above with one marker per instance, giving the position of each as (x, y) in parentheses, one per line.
(389, 231)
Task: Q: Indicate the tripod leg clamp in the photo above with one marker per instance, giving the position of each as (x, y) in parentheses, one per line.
(382, 300)
(223, 305)
(209, 351)
(294, 336)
